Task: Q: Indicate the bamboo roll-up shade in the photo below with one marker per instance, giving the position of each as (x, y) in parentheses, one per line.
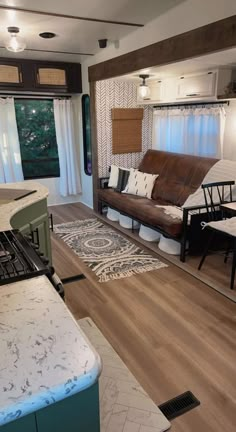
(126, 130)
(9, 74)
(50, 76)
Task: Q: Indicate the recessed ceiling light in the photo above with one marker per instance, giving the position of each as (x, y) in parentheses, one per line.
(47, 35)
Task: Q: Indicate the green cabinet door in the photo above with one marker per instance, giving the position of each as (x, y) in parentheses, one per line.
(77, 413)
(34, 220)
(41, 234)
(24, 424)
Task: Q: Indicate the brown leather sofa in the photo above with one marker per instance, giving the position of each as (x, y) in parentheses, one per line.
(179, 176)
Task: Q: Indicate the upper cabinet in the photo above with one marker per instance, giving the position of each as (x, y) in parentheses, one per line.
(48, 76)
(39, 76)
(209, 85)
(196, 86)
(10, 75)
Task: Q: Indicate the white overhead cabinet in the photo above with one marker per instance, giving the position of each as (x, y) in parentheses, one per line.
(209, 86)
(196, 86)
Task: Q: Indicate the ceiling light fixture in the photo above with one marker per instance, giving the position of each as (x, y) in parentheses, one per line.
(15, 43)
(144, 90)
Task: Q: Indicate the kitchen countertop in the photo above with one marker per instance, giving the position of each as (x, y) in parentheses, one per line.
(9, 209)
(45, 356)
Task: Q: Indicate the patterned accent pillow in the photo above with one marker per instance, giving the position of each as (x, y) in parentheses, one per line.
(140, 183)
(114, 175)
(122, 180)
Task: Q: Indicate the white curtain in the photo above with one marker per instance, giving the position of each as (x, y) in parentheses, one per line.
(67, 152)
(10, 157)
(190, 130)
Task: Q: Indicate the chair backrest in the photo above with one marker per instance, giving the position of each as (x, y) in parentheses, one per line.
(216, 194)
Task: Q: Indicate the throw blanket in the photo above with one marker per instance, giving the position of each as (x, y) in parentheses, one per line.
(174, 212)
(223, 170)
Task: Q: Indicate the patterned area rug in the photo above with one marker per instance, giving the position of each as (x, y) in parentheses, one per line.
(107, 253)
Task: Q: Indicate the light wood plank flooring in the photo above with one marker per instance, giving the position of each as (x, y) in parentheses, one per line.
(172, 331)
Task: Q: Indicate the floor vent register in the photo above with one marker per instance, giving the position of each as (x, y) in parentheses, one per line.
(179, 405)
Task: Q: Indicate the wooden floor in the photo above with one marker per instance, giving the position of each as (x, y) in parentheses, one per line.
(172, 331)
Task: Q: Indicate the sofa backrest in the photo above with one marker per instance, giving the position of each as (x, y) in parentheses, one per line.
(179, 174)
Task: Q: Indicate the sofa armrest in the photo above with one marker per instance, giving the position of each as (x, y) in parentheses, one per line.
(103, 182)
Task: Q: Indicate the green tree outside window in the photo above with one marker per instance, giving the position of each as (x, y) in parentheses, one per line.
(37, 136)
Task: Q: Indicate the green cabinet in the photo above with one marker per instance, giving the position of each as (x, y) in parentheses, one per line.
(26, 424)
(77, 413)
(33, 220)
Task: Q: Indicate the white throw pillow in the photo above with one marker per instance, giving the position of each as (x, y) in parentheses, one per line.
(114, 175)
(140, 183)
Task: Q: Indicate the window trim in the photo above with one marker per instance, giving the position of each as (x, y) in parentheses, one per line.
(84, 97)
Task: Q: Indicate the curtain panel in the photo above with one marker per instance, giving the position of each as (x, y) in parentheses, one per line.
(67, 151)
(195, 130)
(10, 156)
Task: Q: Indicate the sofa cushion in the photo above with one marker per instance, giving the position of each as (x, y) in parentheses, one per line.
(142, 209)
(179, 175)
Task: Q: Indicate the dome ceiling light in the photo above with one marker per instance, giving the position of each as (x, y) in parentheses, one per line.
(15, 43)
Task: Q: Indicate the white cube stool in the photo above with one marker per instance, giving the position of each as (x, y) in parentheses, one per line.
(149, 234)
(113, 215)
(126, 222)
(169, 246)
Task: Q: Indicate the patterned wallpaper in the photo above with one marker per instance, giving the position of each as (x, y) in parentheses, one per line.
(118, 94)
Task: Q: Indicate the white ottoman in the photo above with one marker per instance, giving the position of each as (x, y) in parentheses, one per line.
(113, 215)
(126, 222)
(149, 234)
(169, 246)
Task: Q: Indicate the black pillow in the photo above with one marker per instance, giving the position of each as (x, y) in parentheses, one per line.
(123, 178)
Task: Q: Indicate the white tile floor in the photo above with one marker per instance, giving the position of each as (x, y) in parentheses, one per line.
(124, 405)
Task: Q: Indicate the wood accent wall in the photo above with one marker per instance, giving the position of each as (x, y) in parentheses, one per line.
(126, 130)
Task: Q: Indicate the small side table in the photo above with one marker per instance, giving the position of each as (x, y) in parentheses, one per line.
(229, 208)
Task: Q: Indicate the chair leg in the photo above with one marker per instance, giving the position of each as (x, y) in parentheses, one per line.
(227, 253)
(212, 235)
(233, 266)
(184, 237)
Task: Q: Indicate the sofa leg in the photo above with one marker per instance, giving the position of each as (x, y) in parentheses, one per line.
(182, 250)
(100, 207)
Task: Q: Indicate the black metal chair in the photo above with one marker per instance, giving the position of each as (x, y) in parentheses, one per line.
(216, 194)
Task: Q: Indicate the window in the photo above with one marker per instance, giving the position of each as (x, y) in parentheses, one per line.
(87, 134)
(37, 136)
(191, 130)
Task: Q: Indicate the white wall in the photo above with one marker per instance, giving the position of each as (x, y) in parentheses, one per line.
(229, 149)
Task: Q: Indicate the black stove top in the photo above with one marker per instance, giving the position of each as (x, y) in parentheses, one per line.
(19, 258)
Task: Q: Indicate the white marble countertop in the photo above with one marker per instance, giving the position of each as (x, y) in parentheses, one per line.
(8, 210)
(45, 356)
